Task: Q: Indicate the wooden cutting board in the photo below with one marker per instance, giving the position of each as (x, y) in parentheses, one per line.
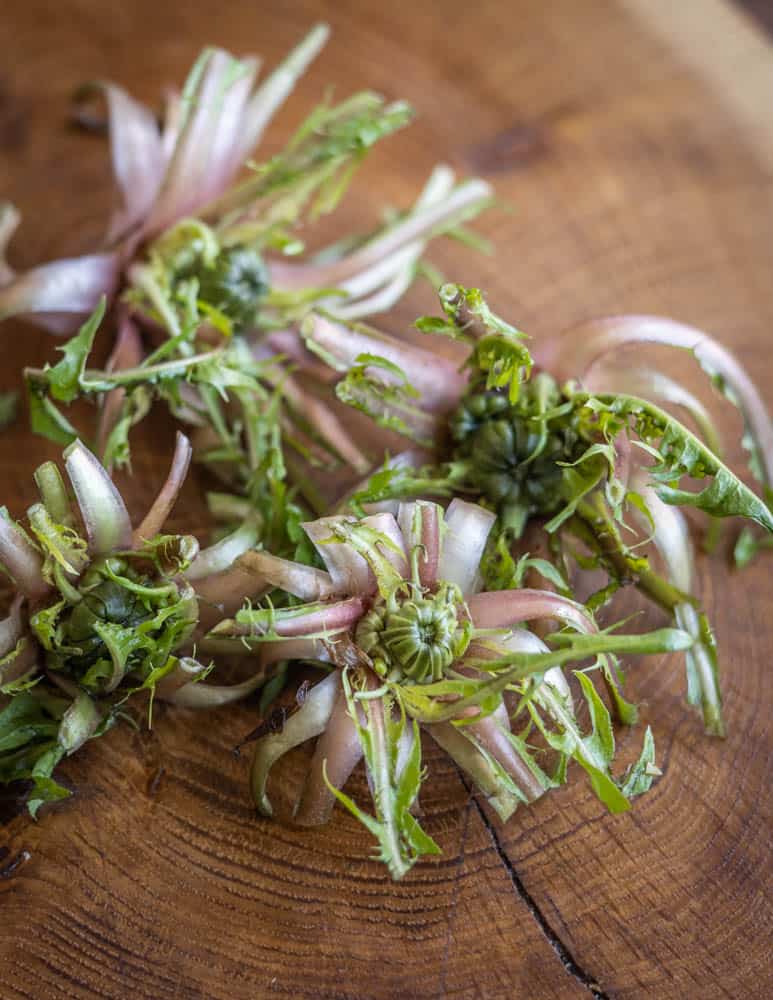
(633, 144)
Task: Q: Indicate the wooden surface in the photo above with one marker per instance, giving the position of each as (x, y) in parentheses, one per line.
(635, 187)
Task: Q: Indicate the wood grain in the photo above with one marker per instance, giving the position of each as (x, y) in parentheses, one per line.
(635, 187)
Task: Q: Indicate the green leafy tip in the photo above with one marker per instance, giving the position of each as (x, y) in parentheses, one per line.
(678, 453)
(401, 840)
(391, 404)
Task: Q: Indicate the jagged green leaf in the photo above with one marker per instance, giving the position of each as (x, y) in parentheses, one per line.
(400, 838)
(47, 419)
(501, 571)
(748, 546)
(679, 454)
(311, 173)
(601, 742)
(390, 404)
(590, 752)
(639, 777)
(45, 789)
(395, 481)
(64, 378)
(29, 749)
(61, 544)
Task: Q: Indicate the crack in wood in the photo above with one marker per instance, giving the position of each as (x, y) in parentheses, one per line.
(564, 954)
(455, 897)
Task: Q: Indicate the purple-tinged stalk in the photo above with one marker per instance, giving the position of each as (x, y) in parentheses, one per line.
(20, 558)
(336, 754)
(127, 353)
(305, 582)
(436, 379)
(367, 269)
(162, 176)
(155, 518)
(104, 513)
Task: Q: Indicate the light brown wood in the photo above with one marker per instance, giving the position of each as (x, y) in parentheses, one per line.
(635, 187)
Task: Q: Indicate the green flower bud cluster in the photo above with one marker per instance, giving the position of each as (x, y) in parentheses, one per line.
(103, 601)
(121, 617)
(513, 449)
(234, 283)
(414, 638)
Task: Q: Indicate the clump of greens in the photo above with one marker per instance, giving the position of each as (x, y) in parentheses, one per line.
(211, 269)
(558, 447)
(413, 644)
(215, 269)
(232, 400)
(103, 612)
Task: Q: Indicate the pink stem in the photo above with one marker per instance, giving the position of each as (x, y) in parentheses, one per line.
(491, 734)
(306, 582)
(503, 608)
(104, 513)
(468, 757)
(339, 750)
(185, 185)
(293, 276)
(127, 353)
(430, 540)
(325, 424)
(60, 295)
(21, 559)
(225, 159)
(436, 378)
(330, 618)
(428, 537)
(154, 520)
(136, 151)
